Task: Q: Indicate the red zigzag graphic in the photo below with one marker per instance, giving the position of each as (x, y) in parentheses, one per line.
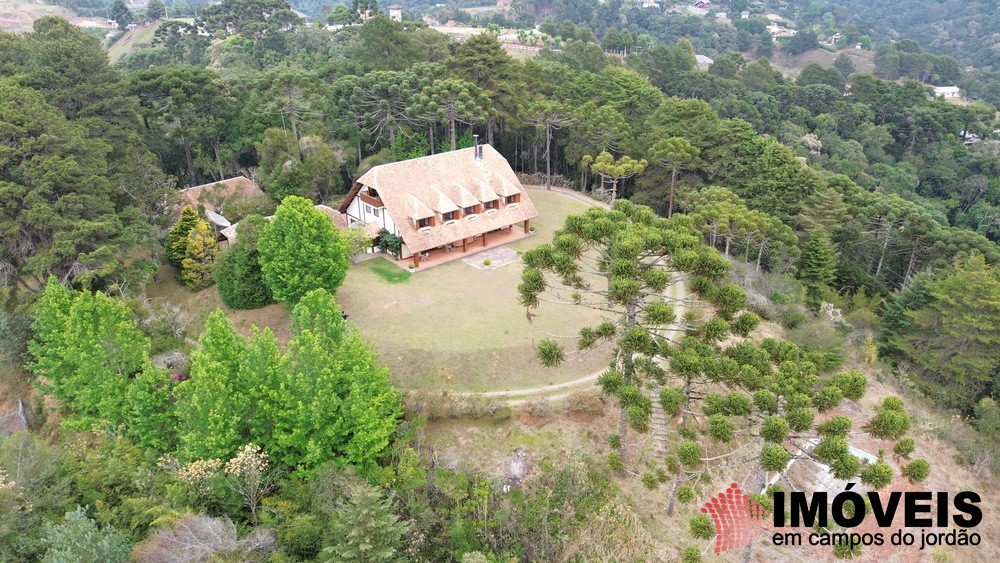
(738, 518)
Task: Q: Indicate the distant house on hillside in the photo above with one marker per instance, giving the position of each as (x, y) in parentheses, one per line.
(443, 204)
(947, 92)
(396, 13)
(703, 4)
(832, 40)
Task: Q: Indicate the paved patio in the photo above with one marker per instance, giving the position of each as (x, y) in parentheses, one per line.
(498, 256)
(474, 246)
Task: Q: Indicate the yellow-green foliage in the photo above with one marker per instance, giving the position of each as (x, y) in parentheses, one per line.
(199, 257)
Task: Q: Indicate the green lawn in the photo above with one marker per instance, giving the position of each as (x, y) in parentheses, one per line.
(459, 328)
(199, 304)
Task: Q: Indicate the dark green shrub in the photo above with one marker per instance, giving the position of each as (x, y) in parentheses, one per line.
(240, 280)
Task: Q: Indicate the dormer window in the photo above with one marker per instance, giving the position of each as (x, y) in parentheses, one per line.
(469, 210)
(449, 216)
(373, 192)
(512, 199)
(492, 204)
(426, 222)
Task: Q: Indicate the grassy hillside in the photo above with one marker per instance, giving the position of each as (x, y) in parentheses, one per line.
(142, 35)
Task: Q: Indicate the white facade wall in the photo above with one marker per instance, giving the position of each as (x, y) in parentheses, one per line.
(363, 213)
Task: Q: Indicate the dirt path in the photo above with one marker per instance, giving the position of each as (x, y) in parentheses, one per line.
(563, 390)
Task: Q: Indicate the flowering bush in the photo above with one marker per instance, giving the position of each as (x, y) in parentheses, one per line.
(197, 473)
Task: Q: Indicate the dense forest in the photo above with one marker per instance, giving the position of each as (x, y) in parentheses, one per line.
(836, 194)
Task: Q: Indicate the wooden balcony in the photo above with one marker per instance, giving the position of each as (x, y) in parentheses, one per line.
(373, 201)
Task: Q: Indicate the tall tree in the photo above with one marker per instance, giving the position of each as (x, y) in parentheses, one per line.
(199, 257)
(58, 213)
(189, 102)
(951, 333)
(817, 267)
(121, 14)
(176, 242)
(300, 251)
(614, 171)
(675, 153)
(237, 271)
(219, 407)
(453, 101)
(334, 401)
(88, 348)
(155, 10)
(549, 116)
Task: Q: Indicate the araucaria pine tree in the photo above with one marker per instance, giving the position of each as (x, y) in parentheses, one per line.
(198, 264)
(176, 243)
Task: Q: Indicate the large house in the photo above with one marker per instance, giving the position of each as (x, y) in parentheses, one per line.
(443, 203)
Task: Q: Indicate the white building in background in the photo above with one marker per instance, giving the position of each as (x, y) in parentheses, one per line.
(947, 92)
(396, 13)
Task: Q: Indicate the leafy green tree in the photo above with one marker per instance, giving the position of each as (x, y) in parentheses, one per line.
(675, 153)
(335, 401)
(176, 243)
(613, 171)
(78, 538)
(219, 406)
(155, 10)
(57, 206)
(88, 348)
(68, 66)
(190, 103)
(341, 15)
(199, 257)
(845, 65)
(803, 41)
(383, 44)
(626, 240)
(366, 528)
(817, 267)
(376, 103)
(150, 410)
(300, 251)
(121, 14)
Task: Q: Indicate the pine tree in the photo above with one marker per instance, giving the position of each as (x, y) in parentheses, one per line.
(198, 264)
(176, 243)
(365, 528)
(952, 338)
(817, 267)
